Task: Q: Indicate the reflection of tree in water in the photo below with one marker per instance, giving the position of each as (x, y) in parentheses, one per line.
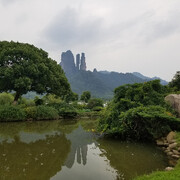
(79, 146)
(39, 160)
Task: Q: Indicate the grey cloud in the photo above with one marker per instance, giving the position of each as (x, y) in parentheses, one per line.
(156, 29)
(68, 29)
(7, 2)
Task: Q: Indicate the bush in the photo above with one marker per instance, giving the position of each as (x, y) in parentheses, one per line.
(41, 113)
(94, 103)
(97, 108)
(141, 123)
(51, 98)
(23, 102)
(65, 110)
(6, 98)
(38, 101)
(11, 113)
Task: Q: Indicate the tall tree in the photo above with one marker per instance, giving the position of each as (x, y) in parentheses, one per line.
(24, 67)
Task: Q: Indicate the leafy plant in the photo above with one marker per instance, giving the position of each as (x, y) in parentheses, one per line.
(12, 113)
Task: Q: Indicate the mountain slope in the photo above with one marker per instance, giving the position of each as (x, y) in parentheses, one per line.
(100, 84)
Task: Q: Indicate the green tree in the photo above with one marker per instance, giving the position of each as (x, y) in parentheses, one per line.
(176, 81)
(71, 97)
(95, 102)
(86, 95)
(24, 67)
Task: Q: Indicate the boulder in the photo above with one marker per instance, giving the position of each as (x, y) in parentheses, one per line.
(159, 142)
(174, 101)
(169, 153)
(175, 152)
(170, 137)
(169, 168)
(173, 146)
(176, 156)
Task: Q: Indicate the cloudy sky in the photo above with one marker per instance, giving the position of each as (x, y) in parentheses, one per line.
(116, 35)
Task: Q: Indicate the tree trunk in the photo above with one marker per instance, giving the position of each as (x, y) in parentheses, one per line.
(17, 95)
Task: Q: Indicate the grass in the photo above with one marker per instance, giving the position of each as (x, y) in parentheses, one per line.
(163, 175)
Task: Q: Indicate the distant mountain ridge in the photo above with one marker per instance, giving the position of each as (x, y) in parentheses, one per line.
(100, 83)
(163, 82)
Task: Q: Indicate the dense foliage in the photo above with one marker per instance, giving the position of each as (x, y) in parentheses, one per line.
(12, 113)
(41, 113)
(86, 95)
(6, 98)
(175, 83)
(23, 68)
(150, 122)
(95, 104)
(65, 110)
(135, 112)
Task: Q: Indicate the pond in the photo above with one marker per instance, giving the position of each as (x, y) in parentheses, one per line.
(71, 150)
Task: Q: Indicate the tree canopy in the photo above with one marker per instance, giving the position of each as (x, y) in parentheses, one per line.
(176, 81)
(86, 95)
(24, 67)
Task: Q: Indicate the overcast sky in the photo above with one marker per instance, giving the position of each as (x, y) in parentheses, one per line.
(116, 35)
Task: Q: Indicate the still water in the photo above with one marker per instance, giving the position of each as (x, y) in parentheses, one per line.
(70, 150)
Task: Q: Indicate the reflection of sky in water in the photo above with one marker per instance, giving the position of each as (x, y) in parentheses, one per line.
(33, 137)
(97, 167)
(9, 140)
(72, 154)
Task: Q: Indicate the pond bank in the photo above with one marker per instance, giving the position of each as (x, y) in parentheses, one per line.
(171, 146)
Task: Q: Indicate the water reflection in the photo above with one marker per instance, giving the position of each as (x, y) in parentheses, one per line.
(132, 159)
(79, 146)
(40, 159)
(66, 150)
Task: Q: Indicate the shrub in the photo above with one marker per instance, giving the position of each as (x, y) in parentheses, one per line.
(65, 110)
(94, 103)
(51, 98)
(6, 98)
(11, 113)
(38, 101)
(41, 113)
(97, 108)
(141, 123)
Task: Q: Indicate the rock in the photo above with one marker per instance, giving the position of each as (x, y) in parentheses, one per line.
(169, 153)
(169, 168)
(176, 156)
(173, 145)
(172, 141)
(170, 137)
(175, 152)
(173, 162)
(159, 142)
(67, 62)
(83, 62)
(174, 101)
(166, 144)
(179, 149)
